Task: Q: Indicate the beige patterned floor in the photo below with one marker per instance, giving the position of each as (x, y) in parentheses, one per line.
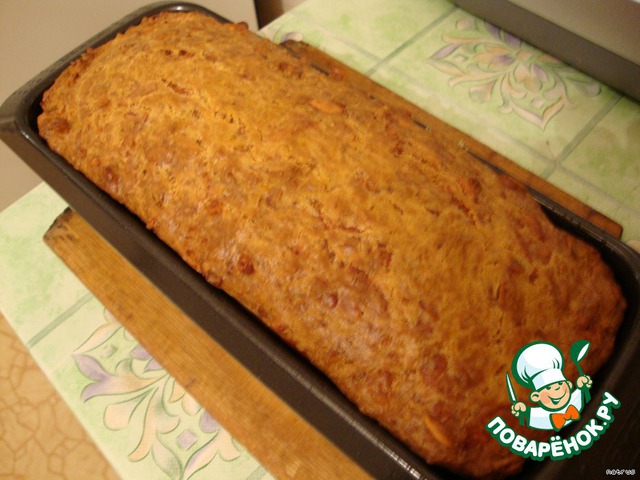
(40, 439)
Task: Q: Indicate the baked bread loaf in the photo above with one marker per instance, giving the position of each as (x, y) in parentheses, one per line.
(405, 271)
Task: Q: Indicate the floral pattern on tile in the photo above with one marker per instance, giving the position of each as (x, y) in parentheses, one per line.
(533, 121)
(156, 431)
(161, 420)
(493, 63)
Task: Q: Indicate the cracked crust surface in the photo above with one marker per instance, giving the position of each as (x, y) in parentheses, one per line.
(407, 273)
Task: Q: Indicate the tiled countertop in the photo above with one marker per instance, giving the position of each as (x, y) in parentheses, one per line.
(560, 124)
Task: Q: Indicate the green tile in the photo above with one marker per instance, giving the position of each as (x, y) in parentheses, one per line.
(296, 28)
(630, 220)
(379, 26)
(516, 92)
(585, 191)
(118, 392)
(609, 156)
(465, 120)
(144, 422)
(35, 287)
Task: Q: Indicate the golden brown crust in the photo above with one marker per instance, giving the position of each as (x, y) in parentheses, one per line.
(410, 275)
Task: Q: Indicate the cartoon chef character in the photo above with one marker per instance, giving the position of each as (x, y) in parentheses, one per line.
(538, 366)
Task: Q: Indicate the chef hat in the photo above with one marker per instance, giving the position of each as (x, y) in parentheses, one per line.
(537, 365)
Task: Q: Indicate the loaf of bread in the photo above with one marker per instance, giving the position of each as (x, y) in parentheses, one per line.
(401, 268)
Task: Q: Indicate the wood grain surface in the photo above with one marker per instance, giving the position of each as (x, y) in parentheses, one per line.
(450, 136)
(276, 436)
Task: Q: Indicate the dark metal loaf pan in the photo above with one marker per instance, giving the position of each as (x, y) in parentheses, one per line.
(283, 370)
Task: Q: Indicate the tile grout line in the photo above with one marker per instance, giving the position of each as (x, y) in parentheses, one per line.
(257, 474)
(497, 131)
(623, 202)
(335, 37)
(410, 41)
(585, 182)
(582, 134)
(33, 341)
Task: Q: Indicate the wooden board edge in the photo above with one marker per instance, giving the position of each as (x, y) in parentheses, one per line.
(271, 430)
(451, 136)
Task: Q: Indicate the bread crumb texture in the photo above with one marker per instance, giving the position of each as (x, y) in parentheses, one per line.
(404, 270)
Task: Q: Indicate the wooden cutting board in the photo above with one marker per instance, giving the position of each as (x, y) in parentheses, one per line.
(276, 435)
(450, 136)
